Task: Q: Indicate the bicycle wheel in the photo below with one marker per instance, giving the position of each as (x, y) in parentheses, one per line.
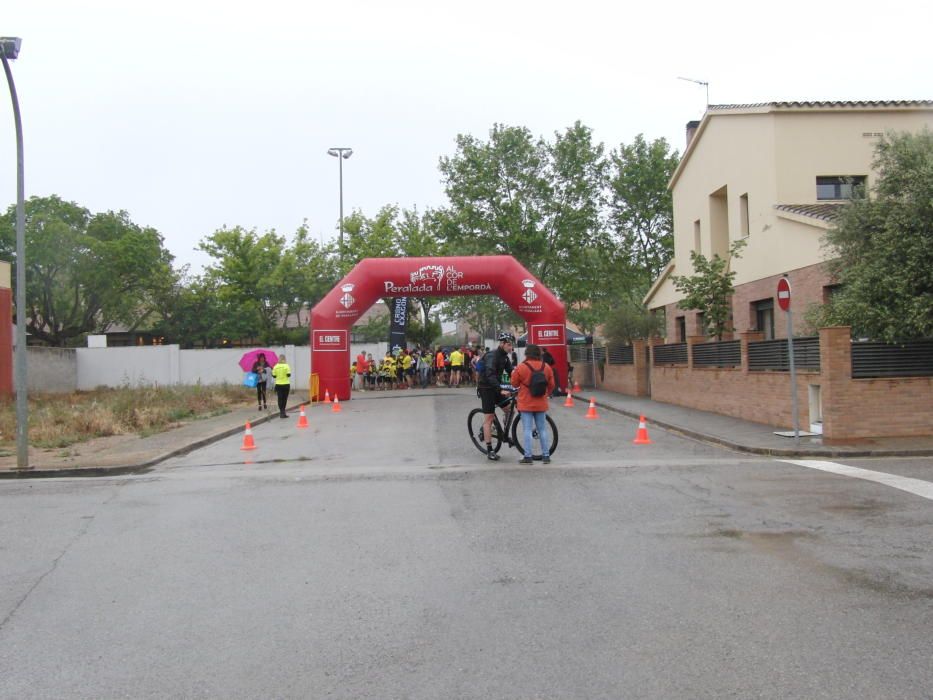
(475, 427)
(518, 437)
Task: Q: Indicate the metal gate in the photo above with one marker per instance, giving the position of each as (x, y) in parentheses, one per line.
(586, 360)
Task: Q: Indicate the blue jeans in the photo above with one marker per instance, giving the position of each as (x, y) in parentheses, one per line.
(536, 419)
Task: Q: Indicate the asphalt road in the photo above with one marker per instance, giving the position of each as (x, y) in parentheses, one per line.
(378, 555)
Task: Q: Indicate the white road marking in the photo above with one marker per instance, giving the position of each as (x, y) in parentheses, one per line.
(918, 487)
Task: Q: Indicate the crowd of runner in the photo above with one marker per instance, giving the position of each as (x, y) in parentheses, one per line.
(402, 368)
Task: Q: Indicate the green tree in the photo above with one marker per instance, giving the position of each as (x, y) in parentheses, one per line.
(377, 237)
(709, 289)
(244, 276)
(192, 313)
(418, 237)
(630, 321)
(641, 209)
(883, 247)
(85, 271)
(422, 334)
(304, 274)
(540, 202)
(498, 192)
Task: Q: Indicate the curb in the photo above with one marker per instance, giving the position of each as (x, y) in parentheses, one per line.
(770, 451)
(137, 468)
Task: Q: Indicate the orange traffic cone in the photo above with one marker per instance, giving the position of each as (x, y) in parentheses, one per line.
(576, 387)
(569, 401)
(335, 408)
(326, 395)
(591, 412)
(641, 437)
(302, 418)
(248, 443)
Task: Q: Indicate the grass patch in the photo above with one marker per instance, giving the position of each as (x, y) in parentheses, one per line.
(61, 420)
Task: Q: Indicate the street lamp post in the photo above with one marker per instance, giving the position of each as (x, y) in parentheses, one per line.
(340, 153)
(9, 49)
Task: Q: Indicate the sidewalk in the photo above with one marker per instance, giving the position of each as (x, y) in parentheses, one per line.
(746, 436)
(125, 454)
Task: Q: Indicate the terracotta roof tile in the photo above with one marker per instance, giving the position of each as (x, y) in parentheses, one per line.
(827, 103)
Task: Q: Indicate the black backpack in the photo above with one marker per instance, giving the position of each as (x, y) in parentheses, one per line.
(538, 382)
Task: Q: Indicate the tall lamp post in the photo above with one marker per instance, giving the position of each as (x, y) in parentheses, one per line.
(340, 153)
(9, 50)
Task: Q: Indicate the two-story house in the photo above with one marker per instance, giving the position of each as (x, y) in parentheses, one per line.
(771, 174)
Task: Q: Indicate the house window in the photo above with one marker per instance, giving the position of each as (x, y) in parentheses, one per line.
(829, 291)
(764, 317)
(681, 322)
(696, 237)
(839, 186)
(743, 215)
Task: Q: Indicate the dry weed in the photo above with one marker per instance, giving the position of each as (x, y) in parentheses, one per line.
(60, 420)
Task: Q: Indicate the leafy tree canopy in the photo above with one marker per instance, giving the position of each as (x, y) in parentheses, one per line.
(709, 289)
(883, 247)
(85, 272)
(641, 208)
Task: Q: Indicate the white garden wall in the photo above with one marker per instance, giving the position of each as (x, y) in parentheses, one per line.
(52, 370)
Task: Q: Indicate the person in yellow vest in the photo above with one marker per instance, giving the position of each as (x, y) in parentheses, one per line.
(388, 371)
(282, 375)
(408, 368)
(456, 366)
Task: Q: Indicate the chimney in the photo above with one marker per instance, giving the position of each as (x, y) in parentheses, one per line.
(691, 131)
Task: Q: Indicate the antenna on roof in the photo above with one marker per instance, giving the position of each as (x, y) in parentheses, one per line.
(698, 82)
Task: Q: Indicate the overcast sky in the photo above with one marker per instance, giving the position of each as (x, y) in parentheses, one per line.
(195, 115)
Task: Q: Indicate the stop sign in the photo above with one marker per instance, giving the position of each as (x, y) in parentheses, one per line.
(783, 294)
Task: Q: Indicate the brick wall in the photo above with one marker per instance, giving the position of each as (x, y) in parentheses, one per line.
(852, 409)
(632, 380)
(807, 285)
(866, 408)
(761, 397)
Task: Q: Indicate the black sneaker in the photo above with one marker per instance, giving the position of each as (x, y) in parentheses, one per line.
(546, 460)
(526, 460)
(492, 456)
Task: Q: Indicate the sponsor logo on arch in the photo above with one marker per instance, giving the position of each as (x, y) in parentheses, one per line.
(546, 334)
(329, 340)
(435, 279)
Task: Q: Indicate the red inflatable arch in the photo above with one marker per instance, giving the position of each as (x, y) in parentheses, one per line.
(376, 278)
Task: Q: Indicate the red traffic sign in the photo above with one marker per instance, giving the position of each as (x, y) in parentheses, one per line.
(783, 294)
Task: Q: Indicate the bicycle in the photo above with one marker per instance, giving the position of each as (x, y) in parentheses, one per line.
(500, 432)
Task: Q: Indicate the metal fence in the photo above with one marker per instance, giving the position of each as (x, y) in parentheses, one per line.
(723, 354)
(870, 360)
(583, 359)
(620, 355)
(672, 354)
(772, 355)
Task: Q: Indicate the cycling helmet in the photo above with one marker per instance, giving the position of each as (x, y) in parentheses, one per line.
(506, 337)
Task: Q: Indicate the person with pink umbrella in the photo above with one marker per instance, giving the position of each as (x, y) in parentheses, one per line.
(261, 369)
(259, 362)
